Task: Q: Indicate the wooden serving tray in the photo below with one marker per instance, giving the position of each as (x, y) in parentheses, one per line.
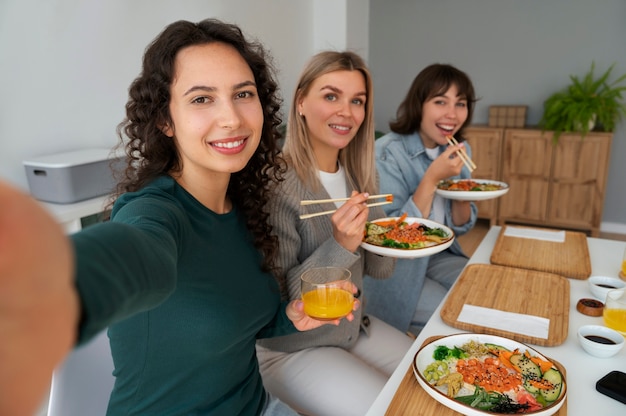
(515, 290)
(412, 399)
(569, 259)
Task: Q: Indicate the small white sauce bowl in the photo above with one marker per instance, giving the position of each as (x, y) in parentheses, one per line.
(598, 349)
(598, 291)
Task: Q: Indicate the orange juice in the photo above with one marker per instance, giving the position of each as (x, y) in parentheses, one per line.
(327, 303)
(624, 268)
(615, 319)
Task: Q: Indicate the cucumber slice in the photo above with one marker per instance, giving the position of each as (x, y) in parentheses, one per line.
(375, 229)
(529, 387)
(554, 377)
(496, 347)
(525, 366)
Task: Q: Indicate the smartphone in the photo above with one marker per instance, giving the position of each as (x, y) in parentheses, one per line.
(613, 385)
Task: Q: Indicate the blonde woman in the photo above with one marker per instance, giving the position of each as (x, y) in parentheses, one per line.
(329, 150)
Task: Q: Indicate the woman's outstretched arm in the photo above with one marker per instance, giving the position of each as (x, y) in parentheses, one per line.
(39, 308)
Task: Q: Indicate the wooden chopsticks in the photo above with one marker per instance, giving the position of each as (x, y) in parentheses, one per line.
(317, 214)
(471, 166)
(389, 197)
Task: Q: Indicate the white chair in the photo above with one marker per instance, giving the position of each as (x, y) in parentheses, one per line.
(82, 384)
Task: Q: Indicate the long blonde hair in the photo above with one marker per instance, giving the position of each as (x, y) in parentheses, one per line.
(358, 157)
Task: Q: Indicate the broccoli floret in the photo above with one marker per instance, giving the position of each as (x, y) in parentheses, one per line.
(443, 353)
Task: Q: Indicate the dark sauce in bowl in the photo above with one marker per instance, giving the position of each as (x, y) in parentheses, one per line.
(600, 340)
(606, 286)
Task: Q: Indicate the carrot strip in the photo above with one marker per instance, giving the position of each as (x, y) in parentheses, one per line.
(504, 357)
(541, 384)
(391, 223)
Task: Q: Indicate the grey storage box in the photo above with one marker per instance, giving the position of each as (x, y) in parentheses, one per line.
(70, 177)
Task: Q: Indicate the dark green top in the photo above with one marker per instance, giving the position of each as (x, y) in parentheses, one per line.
(181, 290)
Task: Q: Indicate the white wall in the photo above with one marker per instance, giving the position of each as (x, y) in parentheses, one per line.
(516, 52)
(341, 24)
(66, 64)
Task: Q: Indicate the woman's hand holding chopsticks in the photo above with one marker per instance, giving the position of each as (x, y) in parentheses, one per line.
(349, 221)
(471, 166)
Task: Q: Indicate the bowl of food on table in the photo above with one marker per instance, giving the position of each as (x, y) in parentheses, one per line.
(480, 374)
(406, 237)
(471, 189)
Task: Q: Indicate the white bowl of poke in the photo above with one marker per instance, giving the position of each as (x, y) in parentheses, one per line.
(479, 374)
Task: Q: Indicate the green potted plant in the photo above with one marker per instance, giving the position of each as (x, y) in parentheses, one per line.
(586, 104)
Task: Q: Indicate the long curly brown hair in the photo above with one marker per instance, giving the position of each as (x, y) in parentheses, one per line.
(151, 153)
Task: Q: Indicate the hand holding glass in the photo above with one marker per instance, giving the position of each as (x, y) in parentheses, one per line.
(615, 310)
(327, 293)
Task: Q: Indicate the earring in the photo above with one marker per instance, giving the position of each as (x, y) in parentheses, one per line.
(300, 113)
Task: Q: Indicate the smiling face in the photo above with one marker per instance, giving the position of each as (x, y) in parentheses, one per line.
(334, 109)
(215, 110)
(442, 115)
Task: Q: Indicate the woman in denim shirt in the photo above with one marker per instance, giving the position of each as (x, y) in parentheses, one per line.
(411, 160)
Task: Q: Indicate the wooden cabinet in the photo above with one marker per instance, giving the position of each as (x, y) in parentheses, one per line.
(560, 186)
(486, 146)
(578, 185)
(526, 165)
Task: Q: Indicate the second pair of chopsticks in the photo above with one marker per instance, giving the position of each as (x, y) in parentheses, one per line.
(471, 166)
(388, 197)
(388, 200)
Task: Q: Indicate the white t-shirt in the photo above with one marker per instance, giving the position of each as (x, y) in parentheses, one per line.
(335, 184)
(438, 208)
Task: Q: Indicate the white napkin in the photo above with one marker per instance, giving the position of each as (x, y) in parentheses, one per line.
(530, 325)
(554, 236)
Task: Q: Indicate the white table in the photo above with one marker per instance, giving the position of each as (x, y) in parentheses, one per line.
(583, 370)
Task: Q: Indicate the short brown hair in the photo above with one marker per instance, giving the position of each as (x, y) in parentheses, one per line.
(433, 80)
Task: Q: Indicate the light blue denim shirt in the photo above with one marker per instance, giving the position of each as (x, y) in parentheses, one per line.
(401, 161)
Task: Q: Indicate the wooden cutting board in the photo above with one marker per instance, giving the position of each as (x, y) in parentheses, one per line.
(569, 258)
(412, 399)
(515, 290)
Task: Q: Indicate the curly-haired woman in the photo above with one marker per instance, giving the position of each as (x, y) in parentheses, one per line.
(181, 274)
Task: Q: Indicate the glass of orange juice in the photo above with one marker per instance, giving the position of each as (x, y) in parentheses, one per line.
(615, 310)
(327, 292)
